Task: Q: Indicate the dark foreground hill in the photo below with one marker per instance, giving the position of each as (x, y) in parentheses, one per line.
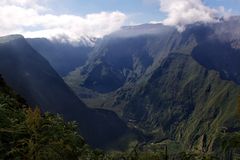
(28, 73)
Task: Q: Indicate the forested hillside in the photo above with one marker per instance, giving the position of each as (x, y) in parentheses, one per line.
(182, 87)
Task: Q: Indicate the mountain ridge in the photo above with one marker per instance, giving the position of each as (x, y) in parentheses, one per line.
(177, 92)
(31, 75)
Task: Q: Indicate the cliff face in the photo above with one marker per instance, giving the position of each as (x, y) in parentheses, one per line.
(179, 86)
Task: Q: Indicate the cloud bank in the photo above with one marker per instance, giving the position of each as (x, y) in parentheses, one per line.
(32, 19)
(183, 12)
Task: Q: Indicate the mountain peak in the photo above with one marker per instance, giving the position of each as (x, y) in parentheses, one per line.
(9, 38)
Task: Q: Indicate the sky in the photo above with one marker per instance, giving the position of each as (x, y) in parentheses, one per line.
(139, 11)
(70, 20)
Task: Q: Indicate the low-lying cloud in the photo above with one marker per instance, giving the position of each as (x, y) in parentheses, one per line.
(32, 19)
(183, 12)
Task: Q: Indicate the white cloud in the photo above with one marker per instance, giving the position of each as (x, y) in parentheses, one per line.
(36, 4)
(31, 18)
(184, 12)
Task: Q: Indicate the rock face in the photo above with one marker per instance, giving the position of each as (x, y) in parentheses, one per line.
(30, 75)
(180, 86)
(121, 59)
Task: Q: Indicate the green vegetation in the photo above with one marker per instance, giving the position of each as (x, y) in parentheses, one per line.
(185, 102)
(27, 133)
(178, 99)
(189, 111)
(31, 76)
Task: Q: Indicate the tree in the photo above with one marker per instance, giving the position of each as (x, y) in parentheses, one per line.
(26, 133)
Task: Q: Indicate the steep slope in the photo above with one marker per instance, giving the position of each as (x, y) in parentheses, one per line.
(219, 49)
(122, 58)
(187, 92)
(64, 57)
(125, 57)
(31, 76)
(22, 128)
(184, 101)
(192, 96)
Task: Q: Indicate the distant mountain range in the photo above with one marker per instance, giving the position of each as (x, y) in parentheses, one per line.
(164, 85)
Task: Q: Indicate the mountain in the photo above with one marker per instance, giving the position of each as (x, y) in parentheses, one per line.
(30, 75)
(123, 57)
(64, 57)
(27, 133)
(192, 97)
(120, 59)
(219, 49)
(176, 86)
